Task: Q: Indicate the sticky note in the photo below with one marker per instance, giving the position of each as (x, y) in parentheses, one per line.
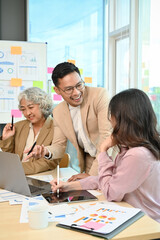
(88, 79)
(38, 84)
(50, 70)
(57, 97)
(72, 61)
(52, 90)
(81, 71)
(146, 72)
(16, 113)
(93, 225)
(143, 65)
(146, 89)
(153, 97)
(16, 82)
(16, 50)
(157, 89)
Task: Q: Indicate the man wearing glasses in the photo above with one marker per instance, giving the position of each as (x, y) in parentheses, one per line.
(81, 118)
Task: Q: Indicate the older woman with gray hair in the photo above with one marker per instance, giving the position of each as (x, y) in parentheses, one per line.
(36, 106)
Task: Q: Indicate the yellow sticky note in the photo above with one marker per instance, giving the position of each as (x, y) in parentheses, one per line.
(16, 82)
(146, 89)
(72, 61)
(143, 65)
(88, 79)
(38, 84)
(16, 50)
(81, 71)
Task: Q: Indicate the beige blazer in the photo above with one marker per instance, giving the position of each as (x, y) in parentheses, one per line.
(94, 110)
(16, 144)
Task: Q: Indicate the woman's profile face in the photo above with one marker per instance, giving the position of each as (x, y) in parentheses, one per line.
(31, 111)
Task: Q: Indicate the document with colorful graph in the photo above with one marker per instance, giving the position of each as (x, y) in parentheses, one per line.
(102, 219)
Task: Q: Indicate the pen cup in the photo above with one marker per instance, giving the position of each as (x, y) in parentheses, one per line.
(38, 216)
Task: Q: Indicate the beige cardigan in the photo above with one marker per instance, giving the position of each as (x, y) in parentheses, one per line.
(94, 111)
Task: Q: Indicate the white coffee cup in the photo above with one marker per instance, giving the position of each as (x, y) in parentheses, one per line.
(38, 216)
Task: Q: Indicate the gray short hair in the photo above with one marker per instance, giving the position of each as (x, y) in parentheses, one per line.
(38, 96)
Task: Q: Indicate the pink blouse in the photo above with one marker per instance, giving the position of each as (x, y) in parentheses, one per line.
(134, 177)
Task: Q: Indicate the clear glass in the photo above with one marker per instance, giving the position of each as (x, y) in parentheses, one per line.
(122, 13)
(73, 31)
(149, 52)
(122, 64)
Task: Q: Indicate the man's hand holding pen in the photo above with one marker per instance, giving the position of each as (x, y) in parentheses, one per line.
(37, 152)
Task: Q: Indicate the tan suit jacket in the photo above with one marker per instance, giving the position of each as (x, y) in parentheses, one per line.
(94, 112)
(16, 144)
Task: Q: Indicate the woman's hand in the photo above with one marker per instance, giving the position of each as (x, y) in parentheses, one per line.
(108, 143)
(7, 131)
(78, 177)
(65, 186)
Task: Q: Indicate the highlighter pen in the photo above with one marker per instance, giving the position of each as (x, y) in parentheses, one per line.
(12, 122)
(58, 180)
(31, 148)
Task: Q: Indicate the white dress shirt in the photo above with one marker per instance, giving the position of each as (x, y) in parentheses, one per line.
(83, 140)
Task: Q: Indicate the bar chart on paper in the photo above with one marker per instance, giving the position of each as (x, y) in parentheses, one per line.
(101, 218)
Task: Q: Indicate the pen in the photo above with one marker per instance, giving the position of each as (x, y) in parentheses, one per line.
(31, 148)
(12, 122)
(58, 180)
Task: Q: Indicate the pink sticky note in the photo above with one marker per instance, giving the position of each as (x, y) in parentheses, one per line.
(16, 113)
(57, 97)
(153, 97)
(93, 225)
(50, 70)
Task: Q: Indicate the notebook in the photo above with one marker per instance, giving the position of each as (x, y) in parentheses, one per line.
(12, 177)
(102, 220)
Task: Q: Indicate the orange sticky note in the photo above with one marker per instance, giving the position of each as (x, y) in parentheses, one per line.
(88, 79)
(146, 88)
(16, 50)
(16, 82)
(72, 61)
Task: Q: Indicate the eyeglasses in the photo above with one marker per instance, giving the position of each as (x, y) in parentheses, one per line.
(79, 86)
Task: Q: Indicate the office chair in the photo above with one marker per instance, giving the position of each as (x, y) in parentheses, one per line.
(65, 161)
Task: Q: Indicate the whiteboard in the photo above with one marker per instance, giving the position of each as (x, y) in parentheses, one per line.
(22, 65)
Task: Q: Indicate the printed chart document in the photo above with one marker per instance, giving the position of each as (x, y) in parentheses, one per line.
(102, 220)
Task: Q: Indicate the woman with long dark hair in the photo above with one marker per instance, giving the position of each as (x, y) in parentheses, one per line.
(134, 176)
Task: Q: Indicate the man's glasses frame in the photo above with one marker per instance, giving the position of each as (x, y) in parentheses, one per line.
(79, 86)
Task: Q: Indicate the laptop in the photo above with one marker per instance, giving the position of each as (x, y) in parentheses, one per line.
(12, 177)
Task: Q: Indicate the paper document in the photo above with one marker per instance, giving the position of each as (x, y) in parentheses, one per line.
(100, 218)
